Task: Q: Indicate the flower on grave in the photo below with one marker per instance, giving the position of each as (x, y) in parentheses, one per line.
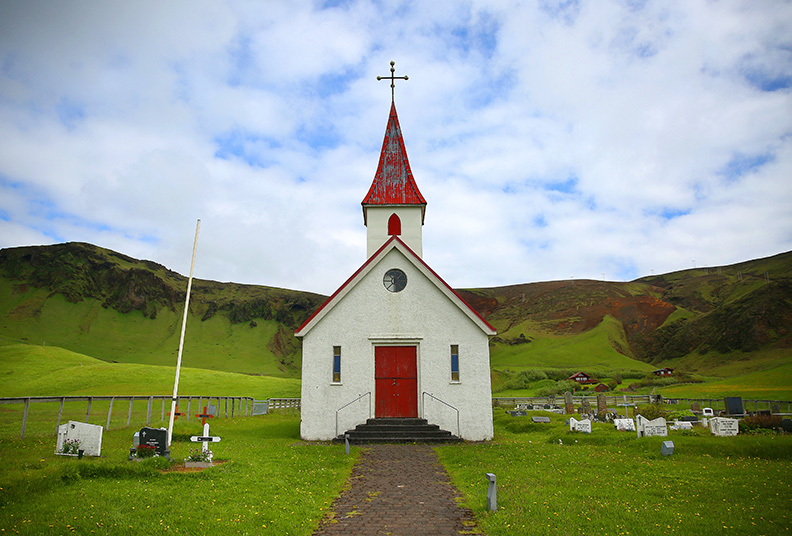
(70, 446)
(199, 455)
(146, 451)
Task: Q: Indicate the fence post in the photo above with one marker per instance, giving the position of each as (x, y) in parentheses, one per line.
(60, 413)
(109, 412)
(129, 414)
(226, 407)
(24, 416)
(88, 412)
(148, 411)
(162, 416)
(189, 408)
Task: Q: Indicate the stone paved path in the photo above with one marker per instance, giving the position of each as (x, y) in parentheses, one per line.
(398, 490)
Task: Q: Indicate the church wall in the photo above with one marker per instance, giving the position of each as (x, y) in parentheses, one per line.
(419, 315)
(377, 226)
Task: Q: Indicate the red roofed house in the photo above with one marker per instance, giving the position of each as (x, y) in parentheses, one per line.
(395, 340)
(663, 372)
(582, 378)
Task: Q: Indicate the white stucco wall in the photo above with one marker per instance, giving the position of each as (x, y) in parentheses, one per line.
(377, 217)
(420, 315)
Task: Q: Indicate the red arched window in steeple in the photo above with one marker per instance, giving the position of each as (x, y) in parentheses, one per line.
(394, 225)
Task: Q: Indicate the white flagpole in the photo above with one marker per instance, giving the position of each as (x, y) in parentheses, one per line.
(181, 339)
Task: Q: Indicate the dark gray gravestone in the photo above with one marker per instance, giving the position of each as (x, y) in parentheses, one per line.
(540, 419)
(786, 425)
(517, 413)
(155, 437)
(688, 418)
(734, 405)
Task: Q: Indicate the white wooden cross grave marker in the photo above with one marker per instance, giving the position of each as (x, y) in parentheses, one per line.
(205, 438)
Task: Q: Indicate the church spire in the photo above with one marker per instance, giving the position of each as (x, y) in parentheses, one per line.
(393, 182)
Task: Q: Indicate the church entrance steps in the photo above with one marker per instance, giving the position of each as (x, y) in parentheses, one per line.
(398, 430)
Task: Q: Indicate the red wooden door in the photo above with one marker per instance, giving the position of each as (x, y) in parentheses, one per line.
(396, 379)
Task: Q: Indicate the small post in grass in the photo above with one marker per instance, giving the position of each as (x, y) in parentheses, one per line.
(492, 493)
(346, 442)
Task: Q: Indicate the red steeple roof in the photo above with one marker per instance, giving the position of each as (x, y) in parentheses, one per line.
(393, 183)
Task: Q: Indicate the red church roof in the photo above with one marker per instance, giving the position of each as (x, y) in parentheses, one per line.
(393, 183)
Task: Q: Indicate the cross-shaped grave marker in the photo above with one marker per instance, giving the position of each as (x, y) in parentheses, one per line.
(204, 415)
(205, 439)
(176, 413)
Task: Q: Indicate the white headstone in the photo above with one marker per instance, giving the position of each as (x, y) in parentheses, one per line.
(646, 428)
(89, 437)
(624, 425)
(580, 426)
(707, 412)
(723, 426)
(682, 425)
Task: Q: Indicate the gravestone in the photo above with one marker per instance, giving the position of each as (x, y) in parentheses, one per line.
(734, 405)
(707, 412)
(602, 404)
(517, 413)
(624, 425)
(723, 426)
(569, 406)
(155, 437)
(586, 407)
(89, 437)
(523, 407)
(667, 448)
(646, 428)
(786, 425)
(580, 426)
(540, 419)
(682, 425)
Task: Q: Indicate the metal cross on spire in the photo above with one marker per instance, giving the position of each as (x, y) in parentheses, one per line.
(393, 79)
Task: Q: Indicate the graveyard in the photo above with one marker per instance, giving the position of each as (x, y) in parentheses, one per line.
(550, 479)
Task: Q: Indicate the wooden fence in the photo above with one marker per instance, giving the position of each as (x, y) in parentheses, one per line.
(223, 404)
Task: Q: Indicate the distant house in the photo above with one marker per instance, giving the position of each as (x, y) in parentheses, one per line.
(582, 378)
(601, 387)
(663, 372)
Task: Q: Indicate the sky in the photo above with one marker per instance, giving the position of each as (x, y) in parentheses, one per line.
(551, 139)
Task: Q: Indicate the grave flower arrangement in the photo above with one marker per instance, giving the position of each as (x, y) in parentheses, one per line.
(71, 446)
(146, 451)
(199, 455)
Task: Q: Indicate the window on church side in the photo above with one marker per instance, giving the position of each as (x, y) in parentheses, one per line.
(336, 364)
(454, 363)
(394, 225)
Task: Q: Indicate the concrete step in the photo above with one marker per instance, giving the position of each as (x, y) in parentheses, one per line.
(397, 430)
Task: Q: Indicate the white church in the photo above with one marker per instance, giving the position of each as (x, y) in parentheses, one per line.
(395, 340)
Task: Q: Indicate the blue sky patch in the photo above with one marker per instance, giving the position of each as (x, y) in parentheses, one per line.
(744, 164)
(566, 187)
(69, 112)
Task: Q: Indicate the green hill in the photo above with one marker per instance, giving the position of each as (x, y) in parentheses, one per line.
(727, 326)
(27, 370)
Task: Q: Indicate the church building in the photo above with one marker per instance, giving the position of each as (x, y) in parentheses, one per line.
(395, 340)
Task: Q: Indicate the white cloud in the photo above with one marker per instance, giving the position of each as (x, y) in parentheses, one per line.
(550, 139)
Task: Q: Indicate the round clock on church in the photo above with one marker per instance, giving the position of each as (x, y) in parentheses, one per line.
(395, 280)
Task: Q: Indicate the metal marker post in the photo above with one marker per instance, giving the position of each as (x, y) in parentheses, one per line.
(492, 493)
(181, 338)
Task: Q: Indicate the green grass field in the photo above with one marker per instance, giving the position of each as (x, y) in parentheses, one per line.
(27, 370)
(610, 482)
(607, 482)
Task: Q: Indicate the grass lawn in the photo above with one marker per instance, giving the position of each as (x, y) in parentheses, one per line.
(605, 483)
(610, 482)
(271, 483)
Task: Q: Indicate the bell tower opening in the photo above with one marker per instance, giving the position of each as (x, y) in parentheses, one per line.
(394, 225)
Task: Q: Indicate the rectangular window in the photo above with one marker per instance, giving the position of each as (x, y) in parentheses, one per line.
(454, 363)
(336, 364)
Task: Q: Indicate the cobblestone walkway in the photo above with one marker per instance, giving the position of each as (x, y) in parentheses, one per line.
(398, 490)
